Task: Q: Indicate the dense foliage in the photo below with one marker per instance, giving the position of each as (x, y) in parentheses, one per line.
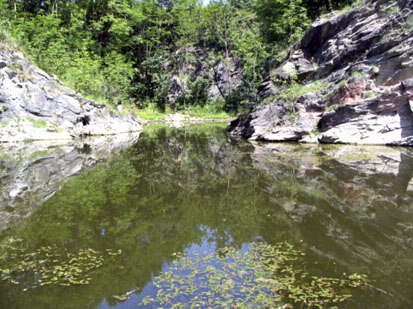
(126, 50)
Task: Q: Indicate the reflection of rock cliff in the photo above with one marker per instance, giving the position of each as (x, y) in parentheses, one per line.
(352, 204)
(26, 181)
(349, 206)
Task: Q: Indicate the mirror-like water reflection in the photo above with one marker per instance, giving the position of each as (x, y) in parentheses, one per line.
(176, 190)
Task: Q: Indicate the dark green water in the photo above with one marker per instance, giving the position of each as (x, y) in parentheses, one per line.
(194, 190)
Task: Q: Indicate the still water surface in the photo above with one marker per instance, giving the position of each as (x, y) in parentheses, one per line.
(189, 192)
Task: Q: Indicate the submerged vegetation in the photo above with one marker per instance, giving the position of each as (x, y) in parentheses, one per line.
(263, 275)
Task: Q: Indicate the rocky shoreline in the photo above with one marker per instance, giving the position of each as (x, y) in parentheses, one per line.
(37, 106)
(349, 81)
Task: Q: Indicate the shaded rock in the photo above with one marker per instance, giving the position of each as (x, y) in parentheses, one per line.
(175, 89)
(226, 78)
(220, 77)
(266, 89)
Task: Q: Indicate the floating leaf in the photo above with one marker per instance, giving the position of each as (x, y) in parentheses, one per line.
(264, 276)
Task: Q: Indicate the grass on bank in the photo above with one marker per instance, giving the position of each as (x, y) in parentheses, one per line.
(149, 113)
(206, 112)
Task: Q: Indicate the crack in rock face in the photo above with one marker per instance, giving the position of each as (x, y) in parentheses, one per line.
(363, 61)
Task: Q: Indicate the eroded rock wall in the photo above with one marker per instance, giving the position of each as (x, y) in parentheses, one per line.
(349, 80)
(35, 106)
(221, 77)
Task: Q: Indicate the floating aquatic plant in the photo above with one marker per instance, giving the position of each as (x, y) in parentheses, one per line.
(48, 265)
(265, 276)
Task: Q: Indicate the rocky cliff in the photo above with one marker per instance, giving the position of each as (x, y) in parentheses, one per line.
(349, 80)
(35, 106)
(198, 74)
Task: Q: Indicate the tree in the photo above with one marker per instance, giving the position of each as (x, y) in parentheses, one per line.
(128, 50)
(283, 21)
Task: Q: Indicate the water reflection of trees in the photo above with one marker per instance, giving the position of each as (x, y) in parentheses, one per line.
(156, 197)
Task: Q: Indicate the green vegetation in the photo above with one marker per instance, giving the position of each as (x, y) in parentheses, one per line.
(407, 25)
(352, 5)
(149, 113)
(40, 153)
(205, 112)
(291, 91)
(129, 51)
(332, 107)
(180, 192)
(369, 94)
(6, 39)
(265, 276)
(295, 90)
(48, 265)
(38, 123)
(3, 109)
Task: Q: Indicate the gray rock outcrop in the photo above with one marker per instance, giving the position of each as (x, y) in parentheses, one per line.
(219, 78)
(35, 106)
(349, 80)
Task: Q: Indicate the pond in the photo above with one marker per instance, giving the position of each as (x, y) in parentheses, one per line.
(189, 217)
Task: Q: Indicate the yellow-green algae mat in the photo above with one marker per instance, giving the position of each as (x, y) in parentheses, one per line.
(264, 276)
(48, 265)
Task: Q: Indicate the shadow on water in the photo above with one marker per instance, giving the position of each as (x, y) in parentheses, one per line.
(349, 208)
